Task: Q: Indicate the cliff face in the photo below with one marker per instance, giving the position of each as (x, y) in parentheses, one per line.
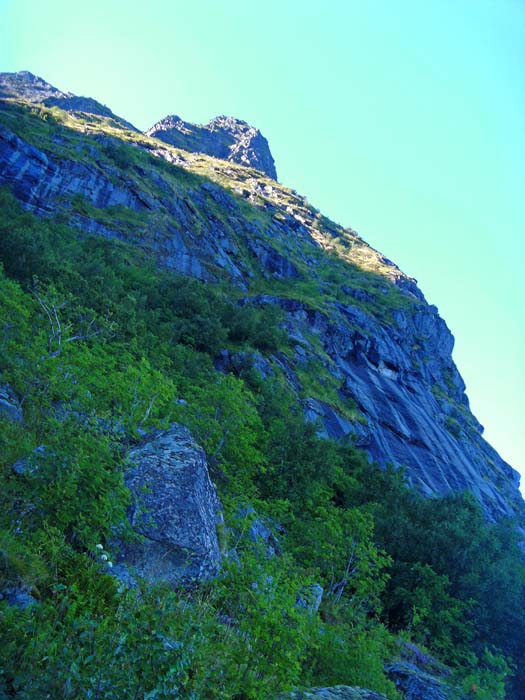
(370, 360)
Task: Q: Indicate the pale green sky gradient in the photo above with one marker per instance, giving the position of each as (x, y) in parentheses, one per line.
(403, 119)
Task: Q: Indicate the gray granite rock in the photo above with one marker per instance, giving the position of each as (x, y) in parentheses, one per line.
(39, 180)
(402, 381)
(10, 405)
(223, 137)
(260, 531)
(416, 684)
(238, 361)
(336, 692)
(28, 465)
(174, 510)
(277, 265)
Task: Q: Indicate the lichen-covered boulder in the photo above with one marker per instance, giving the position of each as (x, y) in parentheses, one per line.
(174, 511)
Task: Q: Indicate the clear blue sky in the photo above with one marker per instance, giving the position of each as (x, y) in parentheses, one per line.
(401, 118)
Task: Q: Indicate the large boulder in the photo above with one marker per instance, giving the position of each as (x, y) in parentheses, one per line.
(416, 684)
(174, 512)
(336, 692)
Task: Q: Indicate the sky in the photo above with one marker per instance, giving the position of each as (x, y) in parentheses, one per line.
(402, 119)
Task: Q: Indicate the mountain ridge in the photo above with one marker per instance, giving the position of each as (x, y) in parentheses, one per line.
(36, 90)
(223, 137)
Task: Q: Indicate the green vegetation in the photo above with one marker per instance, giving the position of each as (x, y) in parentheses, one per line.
(100, 345)
(317, 382)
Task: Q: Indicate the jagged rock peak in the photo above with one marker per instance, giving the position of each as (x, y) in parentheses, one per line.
(31, 88)
(223, 137)
(27, 86)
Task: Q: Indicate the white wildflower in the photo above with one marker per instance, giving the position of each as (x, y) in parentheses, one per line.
(104, 557)
(99, 546)
(110, 564)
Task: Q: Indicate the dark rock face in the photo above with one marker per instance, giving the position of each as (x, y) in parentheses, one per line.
(39, 181)
(331, 423)
(223, 137)
(238, 361)
(174, 510)
(27, 466)
(311, 597)
(261, 532)
(24, 85)
(190, 239)
(279, 266)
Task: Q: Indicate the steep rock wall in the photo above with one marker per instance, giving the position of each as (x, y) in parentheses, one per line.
(386, 353)
(412, 409)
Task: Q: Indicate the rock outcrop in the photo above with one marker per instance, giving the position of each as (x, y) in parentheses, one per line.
(189, 238)
(38, 179)
(223, 137)
(10, 405)
(416, 684)
(174, 512)
(336, 692)
(19, 596)
(405, 400)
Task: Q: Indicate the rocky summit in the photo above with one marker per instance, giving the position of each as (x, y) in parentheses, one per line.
(237, 459)
(223, 137)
